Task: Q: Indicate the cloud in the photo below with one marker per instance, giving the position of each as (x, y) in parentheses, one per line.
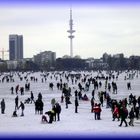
(98, 29)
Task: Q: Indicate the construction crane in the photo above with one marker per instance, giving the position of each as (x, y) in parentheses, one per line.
(3, 51)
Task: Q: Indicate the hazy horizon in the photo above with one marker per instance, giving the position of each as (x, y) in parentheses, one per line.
(99, 28)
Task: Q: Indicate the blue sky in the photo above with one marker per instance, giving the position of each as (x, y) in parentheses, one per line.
(109, 26)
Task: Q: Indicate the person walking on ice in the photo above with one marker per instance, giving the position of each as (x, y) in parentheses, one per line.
(22, 108)
(123, 115)
(16, 103)
(131, 117)
(58, 111)
(32, 97)
(2, 106)
(76, 105)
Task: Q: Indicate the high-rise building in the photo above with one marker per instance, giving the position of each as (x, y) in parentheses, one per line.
(119, 55)
(15, 47)
(46, 56)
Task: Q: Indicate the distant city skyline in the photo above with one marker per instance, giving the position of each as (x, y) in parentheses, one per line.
(100, 29)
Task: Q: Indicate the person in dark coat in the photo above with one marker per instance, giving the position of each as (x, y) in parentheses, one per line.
(92, 103)
(129, 86)
(2, 106)
(16, 103)
(40, 96)
(51, 115)
(58, 111)
(22, 90)
(80, 95)
(12, 90)
(131, 117)
(139, 102)
(125, 102)
(22, 108)
(66, 100)
(123, 115)
(76, 93)
(101, 99)
(16, 89)
(32, 97)
(109, 87)
(136, 110)
(108, 101)
(36, 107)
(93, 93)
(130, 98)
(40, 106)
(62, 98)
(134, 101)
(54, 115)
(14, 114)
(51, 86)
(76, 105)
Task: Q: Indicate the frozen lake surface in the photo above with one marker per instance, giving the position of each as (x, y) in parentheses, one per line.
(71, 123)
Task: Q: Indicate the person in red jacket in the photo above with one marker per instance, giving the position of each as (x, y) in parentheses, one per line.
(115, 113)
(97, 111)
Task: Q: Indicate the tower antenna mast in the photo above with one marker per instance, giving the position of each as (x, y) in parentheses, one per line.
(71, 31)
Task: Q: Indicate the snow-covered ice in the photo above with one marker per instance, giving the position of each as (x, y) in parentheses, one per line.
(81, 123)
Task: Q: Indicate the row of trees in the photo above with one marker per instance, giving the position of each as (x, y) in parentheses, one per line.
(60, 64)
(123, 63)
(113, 63)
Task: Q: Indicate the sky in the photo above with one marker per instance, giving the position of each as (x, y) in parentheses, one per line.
(103, 26)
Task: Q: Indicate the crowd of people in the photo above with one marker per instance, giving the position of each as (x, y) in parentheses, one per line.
(75, 88)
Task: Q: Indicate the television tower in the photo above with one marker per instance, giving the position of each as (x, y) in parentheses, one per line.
(71, 31)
